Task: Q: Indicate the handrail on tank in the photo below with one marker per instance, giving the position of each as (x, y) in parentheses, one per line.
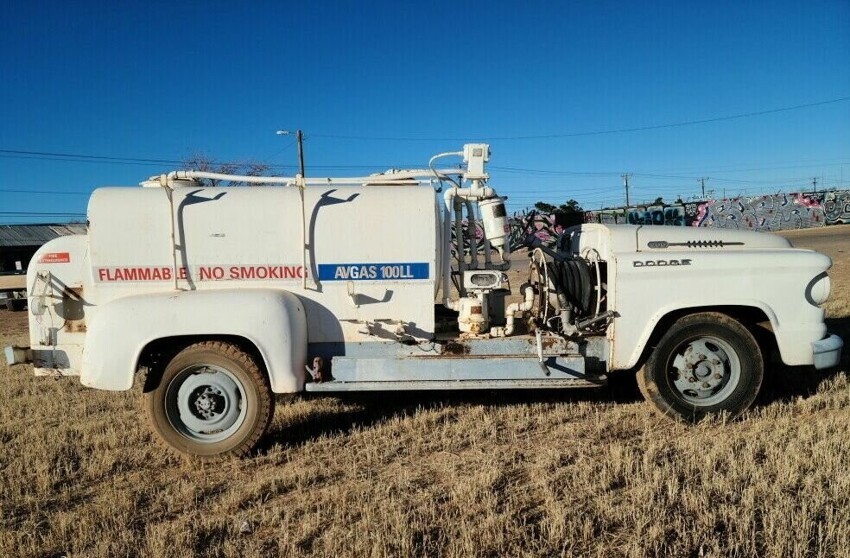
(389, 178)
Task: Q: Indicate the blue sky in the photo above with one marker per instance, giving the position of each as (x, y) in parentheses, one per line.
(380, 84)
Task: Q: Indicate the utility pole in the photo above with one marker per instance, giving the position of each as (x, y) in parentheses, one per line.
(815, 184)
(626, 184)
(299, 137)
(702, 183)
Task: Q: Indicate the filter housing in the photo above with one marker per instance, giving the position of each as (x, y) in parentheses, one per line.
(496, 226)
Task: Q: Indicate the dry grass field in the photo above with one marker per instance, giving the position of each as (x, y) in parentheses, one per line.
(578, 473)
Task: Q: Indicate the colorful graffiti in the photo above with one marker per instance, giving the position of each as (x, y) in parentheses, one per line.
(836, 207)
(657, 215)
(543, 226)
(770, 212)
(523, 224)
(762, 213)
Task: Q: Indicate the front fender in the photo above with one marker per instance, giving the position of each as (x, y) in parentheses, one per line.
(632, 336)
(273, 320)
(772, 280)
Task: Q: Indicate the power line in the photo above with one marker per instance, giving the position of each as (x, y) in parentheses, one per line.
(40, 213)
(602, 132)
(102, 159)
(86, 156)
(517, 170)
(78, 160)
(650, 175)
(51, 192)
(733, 169)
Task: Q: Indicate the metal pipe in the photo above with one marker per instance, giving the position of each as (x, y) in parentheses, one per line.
(376, 179)
(447, 265)
(169, 191)
(461, 256)
(469, 193)
(184, 175)
(512, 309)
(301, 187)
(440, 155)
(472, 229)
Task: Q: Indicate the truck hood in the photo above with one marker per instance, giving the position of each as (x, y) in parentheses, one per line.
(652, 238)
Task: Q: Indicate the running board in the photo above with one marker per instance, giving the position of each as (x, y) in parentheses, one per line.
(413, 373)
(451, 385)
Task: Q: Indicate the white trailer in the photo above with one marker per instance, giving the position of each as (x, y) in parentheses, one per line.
(216, 298)
(13, 291)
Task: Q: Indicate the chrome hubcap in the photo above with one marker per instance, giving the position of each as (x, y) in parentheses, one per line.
(705, 371)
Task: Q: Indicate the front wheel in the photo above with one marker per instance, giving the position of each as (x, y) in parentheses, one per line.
(211, 400)
(705, 364)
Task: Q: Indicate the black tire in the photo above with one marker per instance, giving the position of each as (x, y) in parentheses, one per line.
(211, 400)
(706, 363)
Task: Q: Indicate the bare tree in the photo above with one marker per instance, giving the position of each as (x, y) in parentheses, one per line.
(201, 162)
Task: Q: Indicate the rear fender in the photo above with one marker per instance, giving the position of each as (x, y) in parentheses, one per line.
(273, 320)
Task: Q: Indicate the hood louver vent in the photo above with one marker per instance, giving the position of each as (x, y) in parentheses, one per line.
(657, 244)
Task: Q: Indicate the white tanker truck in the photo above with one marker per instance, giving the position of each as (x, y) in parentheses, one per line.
(217, 298)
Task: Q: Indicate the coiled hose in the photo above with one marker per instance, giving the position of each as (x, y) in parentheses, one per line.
(573, 278)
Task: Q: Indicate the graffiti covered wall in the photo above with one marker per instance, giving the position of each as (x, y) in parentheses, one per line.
(772, 212)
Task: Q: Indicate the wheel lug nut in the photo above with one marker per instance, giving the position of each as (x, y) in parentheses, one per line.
(706, 385)
(718, 376)
(692, 380)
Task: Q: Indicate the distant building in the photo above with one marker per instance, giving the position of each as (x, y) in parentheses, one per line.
(18, 243)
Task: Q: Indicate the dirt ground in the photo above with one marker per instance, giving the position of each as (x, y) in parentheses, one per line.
(585, 473)
(834, 242)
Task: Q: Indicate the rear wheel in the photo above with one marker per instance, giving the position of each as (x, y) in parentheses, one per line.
(704, 364)
(211, 400)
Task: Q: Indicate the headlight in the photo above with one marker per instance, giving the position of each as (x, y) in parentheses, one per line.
(817, 291)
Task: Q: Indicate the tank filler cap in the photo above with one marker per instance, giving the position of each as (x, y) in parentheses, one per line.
(162, 181)
(158, 181)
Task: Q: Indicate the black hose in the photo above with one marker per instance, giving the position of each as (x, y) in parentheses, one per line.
(573, 279)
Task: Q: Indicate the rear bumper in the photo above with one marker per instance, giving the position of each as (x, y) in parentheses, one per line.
(827, 351)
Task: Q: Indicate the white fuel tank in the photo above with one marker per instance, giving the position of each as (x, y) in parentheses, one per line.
(370, 254)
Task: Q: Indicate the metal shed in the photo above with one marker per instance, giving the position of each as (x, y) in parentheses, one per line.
(18, 243)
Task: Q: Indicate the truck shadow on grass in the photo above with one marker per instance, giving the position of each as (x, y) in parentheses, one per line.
(367, 409)
(364, 410)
